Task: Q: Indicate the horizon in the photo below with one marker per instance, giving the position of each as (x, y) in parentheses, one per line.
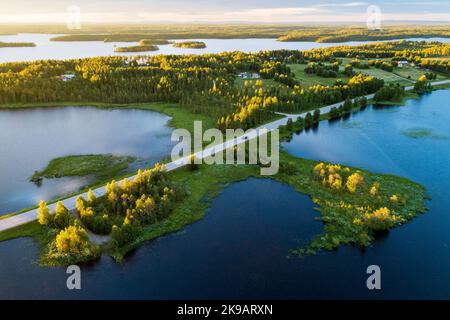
(218, 12)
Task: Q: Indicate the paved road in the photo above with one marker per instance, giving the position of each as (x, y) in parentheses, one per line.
(70, 203)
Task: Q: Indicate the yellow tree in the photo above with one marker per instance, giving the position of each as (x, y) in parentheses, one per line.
(72, 239)
(354, 182)
(44, 216)
(62, 215)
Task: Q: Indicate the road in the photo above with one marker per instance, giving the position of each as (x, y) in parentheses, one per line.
(70, 203)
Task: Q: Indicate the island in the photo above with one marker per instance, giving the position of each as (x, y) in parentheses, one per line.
(286, 32)
(102, 166)
(190, 45)
(139, 48)
(16, 44)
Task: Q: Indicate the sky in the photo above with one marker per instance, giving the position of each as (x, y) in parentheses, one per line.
(220, 11)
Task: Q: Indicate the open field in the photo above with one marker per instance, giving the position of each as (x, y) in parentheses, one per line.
(307, 80)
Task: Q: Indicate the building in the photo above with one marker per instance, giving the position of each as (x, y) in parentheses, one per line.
(402, 63)
(66, 77)
(247, 75)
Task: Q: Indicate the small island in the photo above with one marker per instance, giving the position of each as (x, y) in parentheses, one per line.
(16, 44)
(190, 45)
(102, 166)
(147, 42)
(140, 48)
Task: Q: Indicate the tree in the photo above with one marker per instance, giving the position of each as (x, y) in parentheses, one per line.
(91, 196)
(192, 162)
(290, 124)
(354, 182)
(316, 116)
(308, 120)
(44, 216)
(363, 102)
(72, 240)
(422, 85)
(334, 113)
(62, 218)
(347, 106)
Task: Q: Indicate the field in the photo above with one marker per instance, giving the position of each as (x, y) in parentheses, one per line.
(308, 80)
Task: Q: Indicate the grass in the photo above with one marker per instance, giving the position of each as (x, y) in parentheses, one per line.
(308, 80)
(414, 74)
(102, 166)
(387, 76)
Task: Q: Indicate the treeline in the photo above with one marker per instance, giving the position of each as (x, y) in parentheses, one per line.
(412, 51)
(344, 34)
(16, 44)
(439, 65)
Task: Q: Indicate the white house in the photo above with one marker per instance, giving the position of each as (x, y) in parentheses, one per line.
(66, 77)
(246, 75)
(402, 63)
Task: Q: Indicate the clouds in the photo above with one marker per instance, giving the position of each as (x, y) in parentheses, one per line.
(251, 11)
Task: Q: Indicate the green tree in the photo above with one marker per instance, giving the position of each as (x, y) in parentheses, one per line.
(316, 116)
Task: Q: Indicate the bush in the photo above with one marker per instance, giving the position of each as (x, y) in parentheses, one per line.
(334, 113)
(125, 234)
(288, 168)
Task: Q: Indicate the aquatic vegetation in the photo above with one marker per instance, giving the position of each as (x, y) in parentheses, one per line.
(101, 166)
(417, 133)
(369, 204)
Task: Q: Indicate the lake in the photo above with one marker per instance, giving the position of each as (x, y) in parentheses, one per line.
(240, 249)
(32, 137)
(46, 49)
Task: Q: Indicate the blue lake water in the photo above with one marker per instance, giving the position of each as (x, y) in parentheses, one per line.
(46, 49)
(30, 138)
(239, 250)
